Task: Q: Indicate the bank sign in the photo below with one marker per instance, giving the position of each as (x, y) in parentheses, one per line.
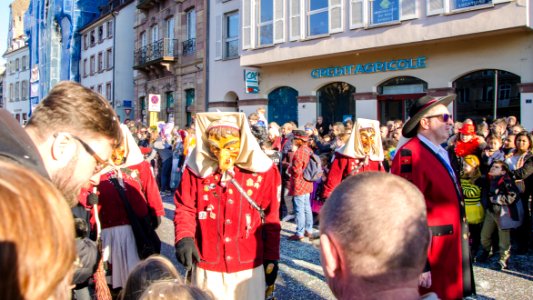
(251, 80)
(372, 67)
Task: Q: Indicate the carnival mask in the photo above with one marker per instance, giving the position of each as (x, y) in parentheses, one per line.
(118, 155)
(225, 147)
(367, 139)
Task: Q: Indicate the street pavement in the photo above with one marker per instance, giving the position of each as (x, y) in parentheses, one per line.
(301, 275)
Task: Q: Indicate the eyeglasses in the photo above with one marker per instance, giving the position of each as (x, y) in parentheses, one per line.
(443, 117)
(100, 162)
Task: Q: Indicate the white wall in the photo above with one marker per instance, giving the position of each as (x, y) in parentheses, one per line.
(526, 107)
(123, 64)
(367, 109)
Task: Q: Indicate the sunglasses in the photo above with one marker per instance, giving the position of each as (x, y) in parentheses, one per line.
(443, 117)
(100, 162)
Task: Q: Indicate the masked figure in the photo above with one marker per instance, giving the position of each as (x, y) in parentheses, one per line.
(363, 152)
(220, 236)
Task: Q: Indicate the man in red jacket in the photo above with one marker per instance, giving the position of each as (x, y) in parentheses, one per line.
(230, 242)
(424, 162)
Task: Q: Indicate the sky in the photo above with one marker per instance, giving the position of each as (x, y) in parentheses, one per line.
(4, 22)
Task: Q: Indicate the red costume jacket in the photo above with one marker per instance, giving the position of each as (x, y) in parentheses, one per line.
(342, 167)
(448, 253)
(143, 195)
(227, 229)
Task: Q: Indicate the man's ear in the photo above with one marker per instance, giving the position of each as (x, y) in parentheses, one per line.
(331, 256)
(63, 148)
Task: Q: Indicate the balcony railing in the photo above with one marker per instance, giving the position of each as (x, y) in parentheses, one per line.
(145, 4)
(163, 50)
(189, 46)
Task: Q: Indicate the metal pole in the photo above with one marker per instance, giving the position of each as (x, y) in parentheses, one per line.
(495, 115)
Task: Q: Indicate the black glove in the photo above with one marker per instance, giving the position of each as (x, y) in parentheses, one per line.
(155, 221)
(186, 253)
(271, 271)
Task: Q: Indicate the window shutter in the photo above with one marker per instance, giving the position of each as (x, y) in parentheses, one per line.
(335, 16)
(219, 26)
(435, 7)
(247, 24)
(408, 9)
(356, 14)
(279, 21)
(295, 19)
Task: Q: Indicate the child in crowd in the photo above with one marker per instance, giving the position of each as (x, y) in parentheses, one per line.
(502, 212)
(470, 182)
(492, 152)
(153, 269)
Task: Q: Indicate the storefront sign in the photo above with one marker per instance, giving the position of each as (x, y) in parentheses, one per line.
(469, 3)
(385, 11)
(251, 80)
(373, 67)
(154, 102)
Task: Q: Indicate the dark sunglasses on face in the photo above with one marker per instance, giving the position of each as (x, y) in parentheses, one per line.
(443, 117)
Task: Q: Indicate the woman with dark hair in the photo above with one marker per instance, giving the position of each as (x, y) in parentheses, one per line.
(521, 171)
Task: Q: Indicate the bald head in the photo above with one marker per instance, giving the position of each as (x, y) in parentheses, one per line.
(377, 221)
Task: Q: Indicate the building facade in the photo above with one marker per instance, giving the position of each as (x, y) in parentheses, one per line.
(372, 59)
(2, 76)
(106, 63)
(16, 77)
(169, 60)
(226, 89)
(54, 42)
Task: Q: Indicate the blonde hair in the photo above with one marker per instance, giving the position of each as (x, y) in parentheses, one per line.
(37, 249)
(153, 269)
(174, 290)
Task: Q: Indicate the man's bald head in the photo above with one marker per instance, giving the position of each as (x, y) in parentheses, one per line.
(378, 223)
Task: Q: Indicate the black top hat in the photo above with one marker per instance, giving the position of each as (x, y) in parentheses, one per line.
(300, 134)
(419, 109)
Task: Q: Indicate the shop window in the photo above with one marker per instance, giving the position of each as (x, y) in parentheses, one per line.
(336, 101)
(477, 98)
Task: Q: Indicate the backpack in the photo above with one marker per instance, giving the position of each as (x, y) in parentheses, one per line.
(313, 171)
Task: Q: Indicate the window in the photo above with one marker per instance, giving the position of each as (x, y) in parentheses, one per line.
(24, 90)
(85, 42)
(100, 62)
(266, 22)
(17, 91)
(92, 88)
(155, 33)
(169, 34)
(191, 24)
(24, 63)
(17, 64)
(109, 29)
(85, 67)
(11, 95)
(317, 17)
(108, 93)
(109, 58)
(231, 35)
(92, 38)
(99, 89)
(143, 39)
(189, 45)
(461, 4)
(92, 62)
(100, 33)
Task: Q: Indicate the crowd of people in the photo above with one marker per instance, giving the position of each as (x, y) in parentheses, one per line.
(463, 188)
